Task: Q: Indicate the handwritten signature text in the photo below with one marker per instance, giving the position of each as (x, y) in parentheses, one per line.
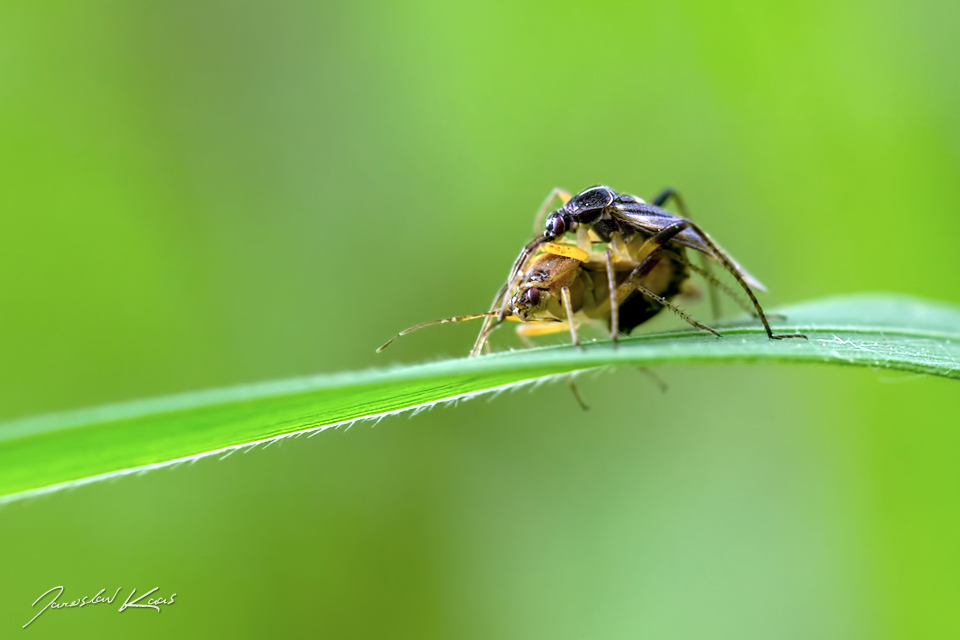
(152, 603)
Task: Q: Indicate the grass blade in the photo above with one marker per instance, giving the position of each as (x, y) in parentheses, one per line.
(47, 453)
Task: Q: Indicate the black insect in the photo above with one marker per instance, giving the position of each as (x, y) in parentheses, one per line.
(632, 228)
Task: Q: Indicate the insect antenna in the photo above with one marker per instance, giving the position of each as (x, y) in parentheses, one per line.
(422, 325)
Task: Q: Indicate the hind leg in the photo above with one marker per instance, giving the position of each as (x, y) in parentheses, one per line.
(672, 194)
(670, 231)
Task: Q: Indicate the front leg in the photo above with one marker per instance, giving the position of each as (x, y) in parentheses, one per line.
(568, 307)
(502, 299)
(614, 306)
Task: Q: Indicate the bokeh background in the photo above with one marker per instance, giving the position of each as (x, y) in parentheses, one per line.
(204, 194)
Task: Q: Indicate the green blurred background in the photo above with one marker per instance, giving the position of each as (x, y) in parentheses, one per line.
(204, 194)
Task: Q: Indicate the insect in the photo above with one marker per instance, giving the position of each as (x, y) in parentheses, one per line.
(565, 286)
(544, 302)
(633, 230)
(568, 286)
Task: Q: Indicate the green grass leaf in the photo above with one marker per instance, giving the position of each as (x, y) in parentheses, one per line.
(47, 453)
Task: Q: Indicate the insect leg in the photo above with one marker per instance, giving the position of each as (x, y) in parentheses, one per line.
(657, 379)
(671, 230)
(568, 307)
(544, 209)
(583, 239)
(614, 307)
(502, 300)
(488, 324)
(576, 394)
(729, 266)
(618, 246)
(672, 194)
(655, 250)
(713, 281)
(631, 285)
(710, 278)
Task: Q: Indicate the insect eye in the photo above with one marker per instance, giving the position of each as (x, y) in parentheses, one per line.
(533, 296)
(556, 226)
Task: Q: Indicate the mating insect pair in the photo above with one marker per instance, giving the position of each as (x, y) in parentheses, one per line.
(628, 263)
